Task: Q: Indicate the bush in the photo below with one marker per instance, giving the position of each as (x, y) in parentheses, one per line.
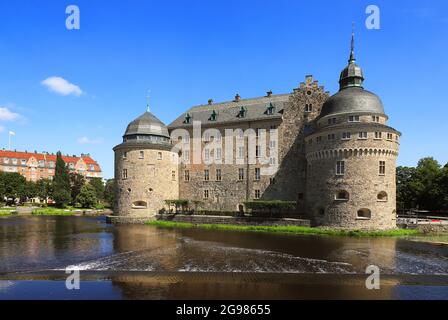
(87, 196)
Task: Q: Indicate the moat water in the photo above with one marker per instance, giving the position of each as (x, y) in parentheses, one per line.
(142, 262)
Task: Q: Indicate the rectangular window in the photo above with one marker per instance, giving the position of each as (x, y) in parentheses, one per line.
(125, 173)
(331, 136)
(142, 155)
(23, 162)
(375, 119)
(206, 175)
(159, 156)
(272, 144)
(382, 169)
(240, 174)
(389, 136)
(308, 107)
(353, 119)
(378, 135)
(346, 135)
(5, 160)
(218, 175)
(272, 161)
(340, 168)
(257, 194)
(319, 139)
(240, 152)
(205, 194)
(362, 135)
(272, 180)
(218, 153)
(187, 175)
(257, 151)
(257, 174)
(332, 121)
(258, 132)
(173, 175)
(14, 161)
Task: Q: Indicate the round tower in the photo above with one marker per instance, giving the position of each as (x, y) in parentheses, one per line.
(351, 155)
(146, 170)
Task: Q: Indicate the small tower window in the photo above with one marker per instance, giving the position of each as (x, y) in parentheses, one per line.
(353, 119)
(375, 119)
(187, 175)
(142, 155)
(308, 107)
(378, 135)
(382, 196)
(340, 168)
(331, 136)
(362, 135)
(173, 175)
(257, 194)
(206, 194)
(218, 175)
(382, 168)
(159, 156)
(332, 121)
(346, 135)
(139, 205)
(364, 214)
(125, 173)
(125, 155)
(342, 195)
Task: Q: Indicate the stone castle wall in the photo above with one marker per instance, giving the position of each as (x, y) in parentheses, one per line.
(150, 180)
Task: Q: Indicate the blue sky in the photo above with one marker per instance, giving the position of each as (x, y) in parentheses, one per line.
(189, 51)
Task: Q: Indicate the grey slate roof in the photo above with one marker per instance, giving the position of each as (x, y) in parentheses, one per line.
(352, 100)
(147, 124)
(227, 112)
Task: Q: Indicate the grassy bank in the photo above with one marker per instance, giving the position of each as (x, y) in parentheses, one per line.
(286, 229)
(53, 212)
(6, 212)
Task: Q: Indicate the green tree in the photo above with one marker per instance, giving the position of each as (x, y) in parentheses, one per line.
(44, 189)
(109, 192)
(13, 186)
(61, 183)
(87, 197)
(424, 183)
(98, 184)
(406, 193)
(77, 181)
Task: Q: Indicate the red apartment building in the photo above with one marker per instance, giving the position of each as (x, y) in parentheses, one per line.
(35, 166)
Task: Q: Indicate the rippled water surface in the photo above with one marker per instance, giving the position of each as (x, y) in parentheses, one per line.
(53, 243)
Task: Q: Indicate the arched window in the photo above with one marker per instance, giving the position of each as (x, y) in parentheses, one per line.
(342, 195)
(382, 196)
(364, 214)
(139, 205)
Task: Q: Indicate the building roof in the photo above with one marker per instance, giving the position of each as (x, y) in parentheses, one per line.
(352, 100)
(231, 111)
(48, 157)
(147, 124)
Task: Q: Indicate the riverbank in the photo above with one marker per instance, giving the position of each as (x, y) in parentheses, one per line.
(68, 212)
(298, 230)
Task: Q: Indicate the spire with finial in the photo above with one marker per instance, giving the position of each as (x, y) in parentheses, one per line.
(352, 51)
(148, 96)
(352, 75)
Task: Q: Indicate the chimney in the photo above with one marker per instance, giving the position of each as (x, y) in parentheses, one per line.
(237, 98)
(210, 102)
(269, 94)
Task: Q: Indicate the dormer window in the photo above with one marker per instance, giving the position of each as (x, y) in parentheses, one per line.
(271, 109)
(187, 118)
(242, 112)
(213, 116)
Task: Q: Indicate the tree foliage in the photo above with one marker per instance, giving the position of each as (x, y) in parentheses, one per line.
(87, 196)
(423, 187)
(98, 185)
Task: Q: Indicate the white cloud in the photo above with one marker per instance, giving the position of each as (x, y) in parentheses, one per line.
(61, 86)
(8, 115)
(86, 140)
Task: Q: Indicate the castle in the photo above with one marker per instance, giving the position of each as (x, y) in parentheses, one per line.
(335, 156)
